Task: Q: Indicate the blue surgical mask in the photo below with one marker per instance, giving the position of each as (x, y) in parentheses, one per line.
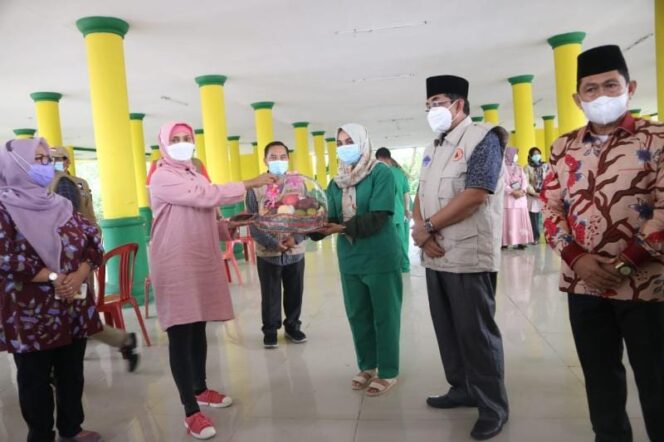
(41, 175)
(536, 158)
(349, 153)
(277, 167)
(59, 166)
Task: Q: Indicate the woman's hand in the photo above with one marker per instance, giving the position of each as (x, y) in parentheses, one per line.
(260, 181)
(71, 284)
(331, 229)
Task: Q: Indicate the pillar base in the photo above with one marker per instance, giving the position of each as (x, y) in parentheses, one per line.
(117, 232)
(146, 214)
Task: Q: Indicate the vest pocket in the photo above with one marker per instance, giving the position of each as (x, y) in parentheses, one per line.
(461, 245)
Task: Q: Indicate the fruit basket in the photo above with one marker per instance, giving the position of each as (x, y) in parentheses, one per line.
(295, 204)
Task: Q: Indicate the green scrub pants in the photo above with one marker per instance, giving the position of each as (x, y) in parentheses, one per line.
(373, 306)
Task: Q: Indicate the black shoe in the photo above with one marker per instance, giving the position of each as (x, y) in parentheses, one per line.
(445, 402)
(270, 340)
(296, 336)
(129, 353)
(486, 429)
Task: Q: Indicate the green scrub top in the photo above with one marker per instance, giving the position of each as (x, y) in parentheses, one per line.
(402, 187)
(380, 252)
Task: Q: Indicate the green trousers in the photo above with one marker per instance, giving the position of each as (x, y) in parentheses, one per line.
(403, 230)
(373, 306)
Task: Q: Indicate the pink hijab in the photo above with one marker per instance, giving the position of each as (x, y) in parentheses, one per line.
(37, 213)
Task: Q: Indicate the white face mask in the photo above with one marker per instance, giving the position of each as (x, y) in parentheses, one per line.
(181, 151)
(605, 110)
(440, 119)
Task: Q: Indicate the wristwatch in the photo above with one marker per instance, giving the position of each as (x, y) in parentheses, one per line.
(428, 226)
(624, 268)
(52, 277)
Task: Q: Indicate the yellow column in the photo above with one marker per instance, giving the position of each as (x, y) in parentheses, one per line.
(154, 153)
(71, 155)
(138, 146)
(234, 149)
(524, 117)
(659, 55)
(264, 129)
(110, 108)
(566, 49)
(511, 142)
(646, 117)
(332, 156)
(636, 113)
(303, 158)
(491, 113)
(199, 134)
(48, 116)
(319, 147)
(248, 163)
(24, 133)
(539, 138)
(258, 156)
(214, 125)
(550, 135)
(477, 119)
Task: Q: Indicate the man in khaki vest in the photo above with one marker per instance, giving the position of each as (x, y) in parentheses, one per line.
(458, 226)
(280, 261)
(77, 191)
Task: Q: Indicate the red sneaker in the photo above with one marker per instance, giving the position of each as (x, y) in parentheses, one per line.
(214, 399)
(199, 426)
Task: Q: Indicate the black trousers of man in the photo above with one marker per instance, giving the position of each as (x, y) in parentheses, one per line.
(471, 347)
(601, 328)
(35, 392)
(271, 277)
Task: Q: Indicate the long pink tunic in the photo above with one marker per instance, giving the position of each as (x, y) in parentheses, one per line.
(186, 267)
(516, 221)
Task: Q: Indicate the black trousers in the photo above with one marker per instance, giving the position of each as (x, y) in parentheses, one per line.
(600, 327)
(535, 218)
(187, 352)
(35, 393)
(471, 347)
(271, 277)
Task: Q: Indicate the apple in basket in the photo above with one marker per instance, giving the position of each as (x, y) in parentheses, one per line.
(291, 199)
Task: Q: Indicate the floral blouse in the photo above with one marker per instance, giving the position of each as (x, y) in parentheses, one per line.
(607, 198)
(31, 319)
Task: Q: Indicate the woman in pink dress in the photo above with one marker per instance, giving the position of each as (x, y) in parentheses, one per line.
(186, 266)
(517, 230)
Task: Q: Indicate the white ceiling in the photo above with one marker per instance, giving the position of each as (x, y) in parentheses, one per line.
(303, 55)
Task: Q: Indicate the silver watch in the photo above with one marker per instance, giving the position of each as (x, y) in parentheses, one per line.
(52, 277)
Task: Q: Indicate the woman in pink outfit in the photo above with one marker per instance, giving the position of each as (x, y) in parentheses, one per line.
(186, 266)
(517, 230)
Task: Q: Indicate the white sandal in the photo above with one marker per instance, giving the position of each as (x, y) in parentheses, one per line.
(381, 389)
(363, 379)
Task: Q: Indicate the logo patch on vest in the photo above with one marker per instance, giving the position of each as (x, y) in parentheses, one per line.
(426, 161)
(458, 154)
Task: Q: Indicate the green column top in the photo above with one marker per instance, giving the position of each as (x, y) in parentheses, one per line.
(635, 111)
(46, 96)
(154, 147)
(263, 105)
(199, 131)
(548, 117)
(25, 131)
(254, 143)
(111, 25)
(490, 106)
(234, 138)
(566, 39)
(318, 133)
(477, 119)
(136, 116)
(331, 139)
(521, 79)
(301, 124)
(205, 80)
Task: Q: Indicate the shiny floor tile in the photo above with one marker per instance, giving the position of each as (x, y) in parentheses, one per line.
(302, 392)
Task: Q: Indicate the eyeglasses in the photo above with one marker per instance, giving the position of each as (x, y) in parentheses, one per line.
(44, 160)
(437, 104)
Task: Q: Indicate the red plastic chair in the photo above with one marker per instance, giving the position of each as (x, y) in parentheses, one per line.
(249, 246)
(229, 256)
(111, 305)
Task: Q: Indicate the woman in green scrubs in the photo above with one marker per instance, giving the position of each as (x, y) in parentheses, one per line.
(360, 209)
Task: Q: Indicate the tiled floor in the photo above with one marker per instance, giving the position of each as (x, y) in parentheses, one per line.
(302, 392)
